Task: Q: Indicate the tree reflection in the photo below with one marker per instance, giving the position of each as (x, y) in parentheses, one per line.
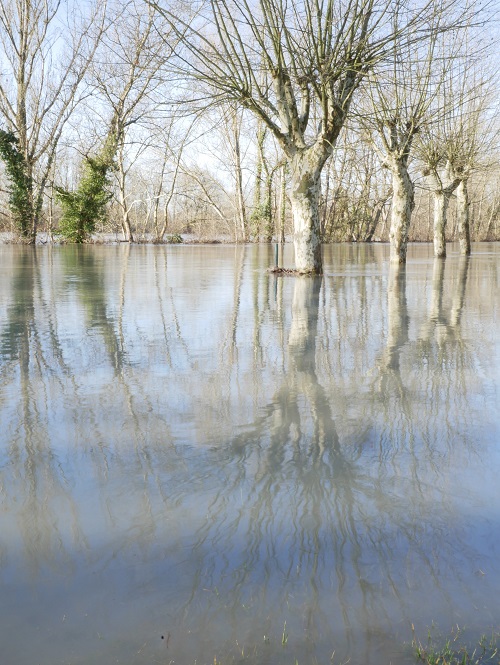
(33, 367)
(232, 452)
(311, 513)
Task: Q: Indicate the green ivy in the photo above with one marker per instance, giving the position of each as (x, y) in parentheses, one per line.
(86, 206)
(261, 217)
(21, 184)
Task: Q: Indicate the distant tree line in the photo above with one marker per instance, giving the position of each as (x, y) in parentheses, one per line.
(311, 120)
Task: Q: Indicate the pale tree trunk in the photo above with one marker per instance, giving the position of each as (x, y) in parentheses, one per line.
(403, 202)
(282, 202)
(444, 185)
(463, 218)
(305, 197)
(441, 203)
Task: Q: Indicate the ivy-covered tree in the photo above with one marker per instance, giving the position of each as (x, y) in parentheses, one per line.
(46, 47)
(20, 180)
(86, 206)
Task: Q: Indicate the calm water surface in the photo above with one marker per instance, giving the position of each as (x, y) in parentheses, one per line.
(200, 460)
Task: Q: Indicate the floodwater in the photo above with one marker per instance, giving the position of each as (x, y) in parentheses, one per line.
(201, 462)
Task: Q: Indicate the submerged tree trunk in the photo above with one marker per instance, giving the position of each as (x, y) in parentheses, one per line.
(403, 202)
(305, 194)
(441, 203)
(444, 184)
(463, 218)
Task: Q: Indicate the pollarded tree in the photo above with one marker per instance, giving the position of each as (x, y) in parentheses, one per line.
(400, 94)
(457, 144)
(315, 54)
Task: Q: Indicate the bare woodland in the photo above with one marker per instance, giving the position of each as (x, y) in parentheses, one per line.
(310, 121)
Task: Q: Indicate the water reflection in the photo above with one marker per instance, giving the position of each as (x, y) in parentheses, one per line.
(193, 447)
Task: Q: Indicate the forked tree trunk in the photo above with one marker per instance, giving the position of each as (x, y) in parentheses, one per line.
(305, 196)
(444, 184)
(403, 202)
(463, 218)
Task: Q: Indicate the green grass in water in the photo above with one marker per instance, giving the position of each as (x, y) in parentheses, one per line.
(455, 652)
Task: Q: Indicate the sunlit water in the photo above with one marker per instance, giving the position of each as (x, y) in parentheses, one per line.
(200, 461)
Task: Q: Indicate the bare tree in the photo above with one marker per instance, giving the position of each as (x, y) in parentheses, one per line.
(169, 140)
(400, 95)
(356, 190)
(315, 55)
(269, 163)
(229, 149)
(41, 82)
(457, 145)
(126, 77)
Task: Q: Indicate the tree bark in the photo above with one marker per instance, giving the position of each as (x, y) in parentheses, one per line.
(403, 202)
(444, 184)
(463, 218)
(305, 193)
(282, 202)
(441, 203)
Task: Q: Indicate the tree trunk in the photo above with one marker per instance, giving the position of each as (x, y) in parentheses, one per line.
(403, 202)
(444, 184)
(122, 198)
(257, 202)
(463, 218)
(305, 196)
(268, 208)
(282, 202)
(441, 202)
(240, 195)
